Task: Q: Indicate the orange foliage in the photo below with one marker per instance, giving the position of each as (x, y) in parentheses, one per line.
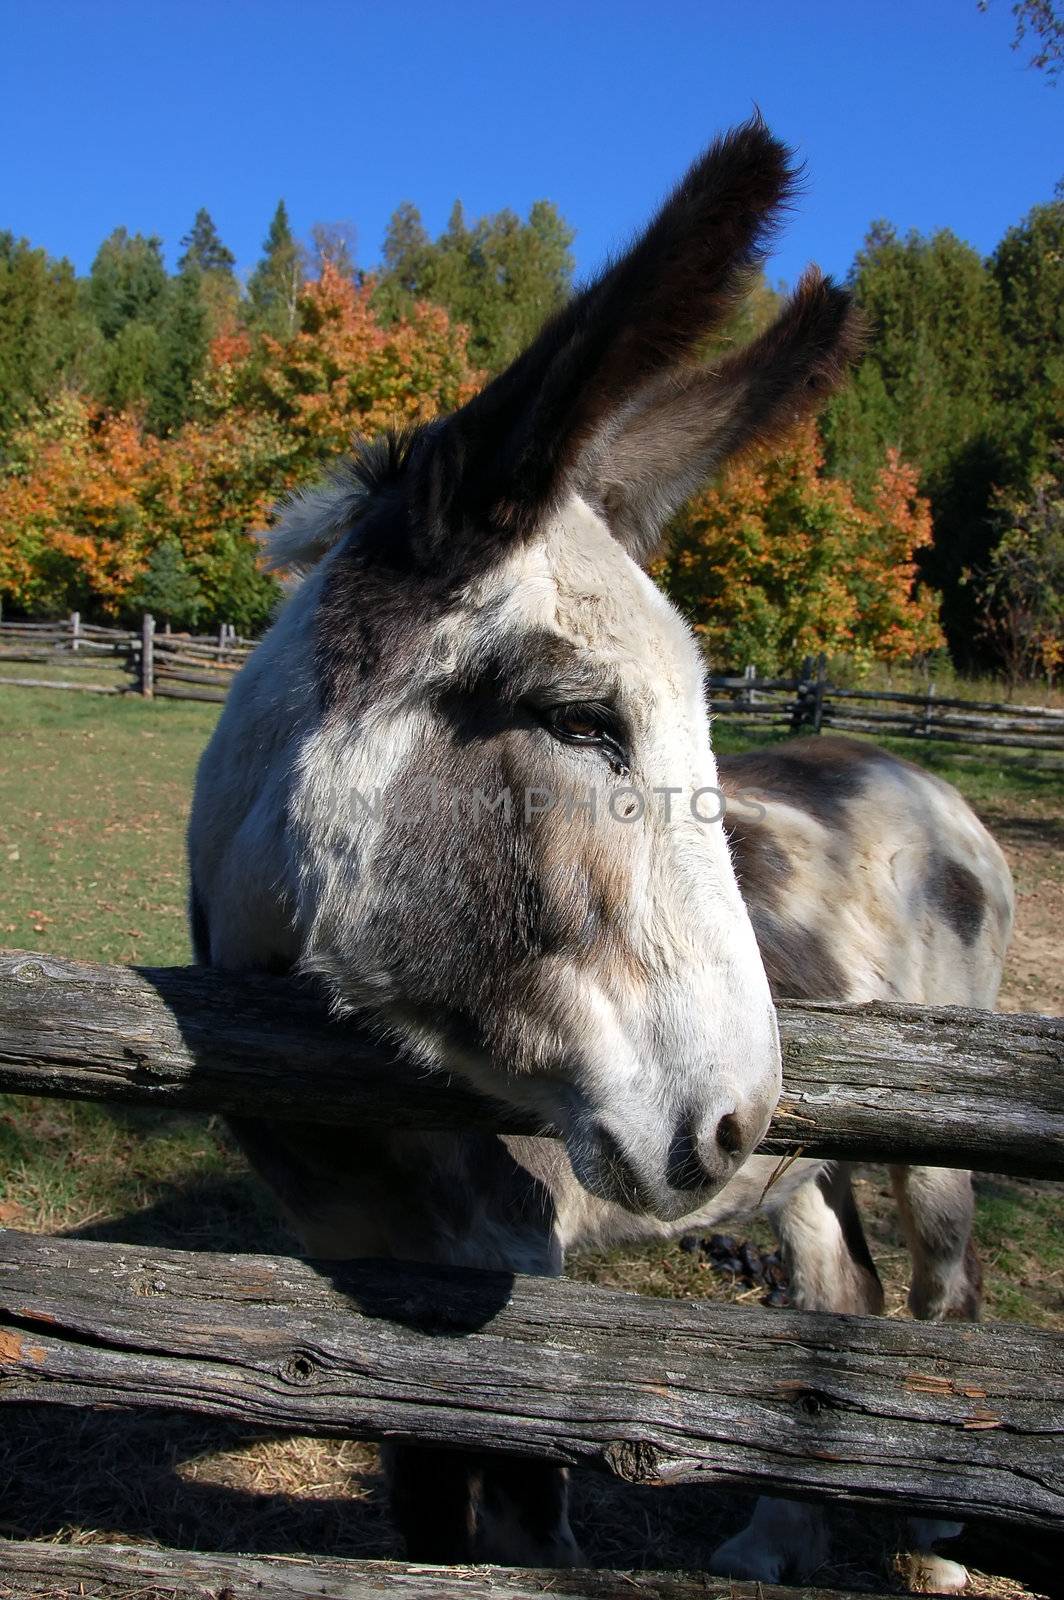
(776, 561)
(87, 496)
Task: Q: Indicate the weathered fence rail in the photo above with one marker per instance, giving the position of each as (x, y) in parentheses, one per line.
(130, 1572)
(971, 1422)
(956, 1420)
(874, 1082)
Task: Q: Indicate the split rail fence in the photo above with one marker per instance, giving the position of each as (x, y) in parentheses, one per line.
(182, 666)
(960, 1421)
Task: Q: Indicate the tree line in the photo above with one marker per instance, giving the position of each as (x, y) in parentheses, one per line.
(149, 420)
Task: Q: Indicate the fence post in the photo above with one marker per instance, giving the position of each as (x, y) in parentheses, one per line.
(818, 692)
(800, 713)
(75, 629)
(746, 694)
(147, 656)
(928, 707)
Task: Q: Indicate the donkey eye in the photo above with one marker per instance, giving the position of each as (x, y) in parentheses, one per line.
(582, 724)
(589, 723)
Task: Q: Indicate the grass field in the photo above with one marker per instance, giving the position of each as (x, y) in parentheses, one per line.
(94, 796)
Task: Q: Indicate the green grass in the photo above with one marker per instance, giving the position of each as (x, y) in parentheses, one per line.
(94, 798)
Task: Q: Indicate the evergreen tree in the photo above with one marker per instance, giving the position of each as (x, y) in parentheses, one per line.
(273, 288)
(127, 282)
(406, 244)
(182, 353)
(168, 589)
(127, 294)
(500, 276)
(204, 249)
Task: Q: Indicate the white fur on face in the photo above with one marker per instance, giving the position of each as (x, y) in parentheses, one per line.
(672, 1019)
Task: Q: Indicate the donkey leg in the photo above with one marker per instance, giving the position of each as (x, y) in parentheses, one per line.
(433, 1501)
(524, 1514)
(937, 1205)
(831, 1269)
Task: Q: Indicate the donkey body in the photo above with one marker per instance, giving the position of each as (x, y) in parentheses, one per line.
(459, 781)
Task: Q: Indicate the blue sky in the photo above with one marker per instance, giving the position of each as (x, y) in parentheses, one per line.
(139, 111)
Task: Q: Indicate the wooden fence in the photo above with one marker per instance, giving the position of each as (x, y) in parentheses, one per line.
(958, 1420)
(182, 666)
(151, 662)
(808, 703)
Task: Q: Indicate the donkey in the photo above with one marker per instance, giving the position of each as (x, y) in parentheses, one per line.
(430, 787)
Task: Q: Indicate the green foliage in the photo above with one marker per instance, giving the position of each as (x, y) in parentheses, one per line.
(1022, 589)
(1042, 23)
(181, 354)
(204, 249)
(1028, 270)
(43, 330)
(127, 282)
(167, 588)
(500, 276)
(965, 376)
(273, 288)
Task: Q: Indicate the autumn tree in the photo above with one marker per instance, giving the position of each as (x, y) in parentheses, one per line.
(777, 560)
(333, 243)
(99, 513)
(347, 370)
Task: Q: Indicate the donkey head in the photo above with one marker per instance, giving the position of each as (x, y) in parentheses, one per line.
(504, 823)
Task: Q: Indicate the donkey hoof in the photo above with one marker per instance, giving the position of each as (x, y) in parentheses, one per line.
(925, 1573)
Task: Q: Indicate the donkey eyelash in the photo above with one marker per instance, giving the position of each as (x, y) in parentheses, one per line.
(587, 722)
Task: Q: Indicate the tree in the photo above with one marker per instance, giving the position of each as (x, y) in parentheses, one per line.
(167, 588)
(1028, 269)
(88, 497)
(406, 244)
(929, 387)
(1022, 586)
(349, 371)
(778, 560)
(333, 242)
(1041, 20)
(128, 293)
(44, 335)
(127, 282)
(500, 276)
(182, 353)
(204, 250)
(273, 288)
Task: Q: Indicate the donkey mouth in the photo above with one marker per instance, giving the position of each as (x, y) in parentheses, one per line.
(605, 1170)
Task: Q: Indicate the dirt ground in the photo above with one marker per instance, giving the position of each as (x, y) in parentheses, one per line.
(1034, 972)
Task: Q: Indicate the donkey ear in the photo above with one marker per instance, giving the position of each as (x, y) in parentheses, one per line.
(681, 428)
(510, 452)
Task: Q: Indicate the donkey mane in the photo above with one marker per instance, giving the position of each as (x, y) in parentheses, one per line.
(312, 520)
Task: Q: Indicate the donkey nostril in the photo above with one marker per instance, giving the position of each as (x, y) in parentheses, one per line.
(730, 1134)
